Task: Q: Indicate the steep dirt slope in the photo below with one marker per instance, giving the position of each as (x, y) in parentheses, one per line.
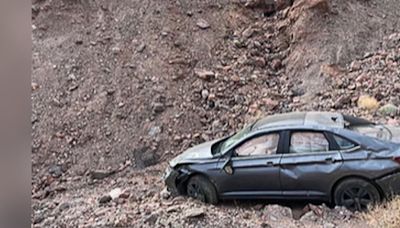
(122, 85)
(335, 32)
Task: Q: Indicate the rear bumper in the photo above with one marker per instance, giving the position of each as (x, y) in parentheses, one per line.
(390, 184)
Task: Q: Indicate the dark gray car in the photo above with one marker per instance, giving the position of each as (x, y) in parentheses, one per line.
(304, 155)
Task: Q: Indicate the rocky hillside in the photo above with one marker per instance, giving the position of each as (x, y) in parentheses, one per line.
(120, 87)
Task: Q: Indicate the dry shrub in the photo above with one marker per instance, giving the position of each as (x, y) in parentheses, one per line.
(385, 215)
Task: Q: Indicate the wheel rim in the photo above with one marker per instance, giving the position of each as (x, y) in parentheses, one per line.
(194, 190)
(357, 198)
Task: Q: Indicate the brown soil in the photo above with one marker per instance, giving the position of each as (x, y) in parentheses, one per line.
(120, 85)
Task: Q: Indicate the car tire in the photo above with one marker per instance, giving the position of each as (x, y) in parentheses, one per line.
(356, 194)
(199, 187)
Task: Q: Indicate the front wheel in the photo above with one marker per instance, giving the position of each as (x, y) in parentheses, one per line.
(201, 188)
(356, 194)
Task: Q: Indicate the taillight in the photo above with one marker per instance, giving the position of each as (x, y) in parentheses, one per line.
(396, 159)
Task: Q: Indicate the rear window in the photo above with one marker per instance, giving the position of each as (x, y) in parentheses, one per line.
(374, 131)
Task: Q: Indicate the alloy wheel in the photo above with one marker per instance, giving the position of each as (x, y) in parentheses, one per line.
(194, 190)
(357, 198)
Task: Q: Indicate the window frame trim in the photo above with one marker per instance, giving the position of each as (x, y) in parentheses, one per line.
(278, 149)
(333, 147)
(356, 145)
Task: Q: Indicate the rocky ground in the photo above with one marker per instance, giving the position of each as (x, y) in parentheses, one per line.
(119, 88)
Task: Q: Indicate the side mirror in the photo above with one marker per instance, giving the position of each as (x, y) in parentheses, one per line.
(227, 166)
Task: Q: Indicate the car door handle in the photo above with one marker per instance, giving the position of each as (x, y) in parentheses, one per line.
(270, 163)
(329, 159)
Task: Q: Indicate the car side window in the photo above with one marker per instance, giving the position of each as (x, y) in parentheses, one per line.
(343, 143)
(260, 145)
(304, 142)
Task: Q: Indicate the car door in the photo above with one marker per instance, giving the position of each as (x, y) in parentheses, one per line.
(308, 164)
(255, 166)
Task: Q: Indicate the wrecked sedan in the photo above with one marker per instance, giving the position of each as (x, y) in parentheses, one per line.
(326, 156)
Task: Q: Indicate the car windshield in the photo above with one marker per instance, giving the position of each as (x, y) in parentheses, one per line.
(235, 138)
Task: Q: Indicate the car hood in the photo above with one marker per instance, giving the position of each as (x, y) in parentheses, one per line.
(199, 152)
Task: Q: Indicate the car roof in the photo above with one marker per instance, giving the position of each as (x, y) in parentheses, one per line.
(301, 119)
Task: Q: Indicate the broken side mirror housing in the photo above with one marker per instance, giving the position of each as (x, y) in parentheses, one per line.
(227, 166)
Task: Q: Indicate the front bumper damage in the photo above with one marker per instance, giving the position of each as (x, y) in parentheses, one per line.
(175, 179)
(390, 185)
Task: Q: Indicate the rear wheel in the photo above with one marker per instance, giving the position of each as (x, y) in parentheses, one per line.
(201, 188)
(356, 194)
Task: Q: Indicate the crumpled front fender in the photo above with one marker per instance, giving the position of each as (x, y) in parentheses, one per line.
(175, 180)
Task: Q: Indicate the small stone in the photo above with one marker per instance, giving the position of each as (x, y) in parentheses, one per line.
(355, 66)
(64, 206)
(279, 212)
(79, 41)
(247, 33)
(388, 110)
(164, 33)
(158, 107)
(235, 78)
(367, 103)
(351, 87)
(101, 174)
(165, 194)
(141, 47)
(204, 93)
(309, 217)
(55, 171)
(276, 64)
(116, 50)
(204, 74)
(71, 77)
(270, 104)
(155, 130)
(341, 101)
(105, 199)
(259, 61)
(124, 195)
(211, 96)
(151, 219)
(203, 24)
(193, 213)
(38, 219)
(173, 208)
(73, 87)
(115, 193)
(34, 86)
(329, 225)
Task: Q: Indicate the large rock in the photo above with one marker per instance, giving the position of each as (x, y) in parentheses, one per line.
(276, 212)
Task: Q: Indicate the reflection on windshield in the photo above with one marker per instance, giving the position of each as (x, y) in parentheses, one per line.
(375, 131)
(235, 138)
